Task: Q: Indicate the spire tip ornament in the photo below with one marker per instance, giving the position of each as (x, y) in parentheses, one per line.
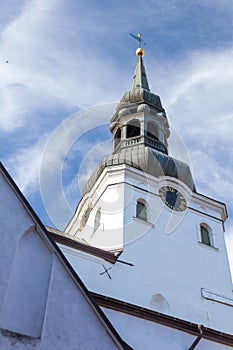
(138, 38)
(140, 52)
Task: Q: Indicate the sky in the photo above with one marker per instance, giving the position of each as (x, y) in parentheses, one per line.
(65, 64)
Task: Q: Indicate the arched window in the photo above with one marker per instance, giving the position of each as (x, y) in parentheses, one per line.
(206, 235)
(152, 130)
(97, 219)
(133, 128)
(141, 211)
(85, 216)
(117, 138)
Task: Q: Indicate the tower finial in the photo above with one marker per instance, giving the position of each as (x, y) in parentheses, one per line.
(139, 51)
(139, 39)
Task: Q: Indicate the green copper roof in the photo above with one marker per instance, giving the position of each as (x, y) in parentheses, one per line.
(140, 78)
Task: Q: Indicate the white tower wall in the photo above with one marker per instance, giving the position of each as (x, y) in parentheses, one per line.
(173, 272)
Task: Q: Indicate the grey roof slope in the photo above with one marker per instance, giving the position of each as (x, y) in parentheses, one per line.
(140, 91)
(140, 78)
(149, 161)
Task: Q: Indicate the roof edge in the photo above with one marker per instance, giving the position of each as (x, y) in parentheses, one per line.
(100, 253)
(157, 317)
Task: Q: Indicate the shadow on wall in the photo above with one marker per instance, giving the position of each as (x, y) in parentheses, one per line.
(159, 303)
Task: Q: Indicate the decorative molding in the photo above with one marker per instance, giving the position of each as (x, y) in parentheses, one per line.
(219, 298)
(206, 214)
(210, 204)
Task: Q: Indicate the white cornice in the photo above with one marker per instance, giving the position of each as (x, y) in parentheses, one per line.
(116, 174)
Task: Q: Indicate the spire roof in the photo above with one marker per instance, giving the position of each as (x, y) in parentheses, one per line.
(140, 91)
(140, 78)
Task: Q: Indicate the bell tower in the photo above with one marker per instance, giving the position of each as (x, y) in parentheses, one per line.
(140, 118)
(140, 131)
(142, 204)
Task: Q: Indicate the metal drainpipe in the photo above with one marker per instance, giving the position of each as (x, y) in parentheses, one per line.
(196, 341)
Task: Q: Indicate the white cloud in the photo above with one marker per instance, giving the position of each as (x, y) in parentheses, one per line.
(197, 96)
(50, 61)
(58, 54)
(199, 103)
(91, 160)
(24, 166)
(55, 153)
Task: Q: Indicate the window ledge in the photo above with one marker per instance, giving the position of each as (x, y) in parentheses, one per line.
(208, 246)
(144, 221)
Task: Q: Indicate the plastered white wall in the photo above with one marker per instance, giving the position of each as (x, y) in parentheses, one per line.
(143, 334)
(27, 288)
(168, 258)
(41, 306)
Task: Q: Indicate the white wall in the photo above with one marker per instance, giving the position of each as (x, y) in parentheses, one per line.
(27, 288)
(170, 264)
(41, 305)
(143, 334)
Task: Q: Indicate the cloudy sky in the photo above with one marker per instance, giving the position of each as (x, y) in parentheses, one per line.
(64, 65)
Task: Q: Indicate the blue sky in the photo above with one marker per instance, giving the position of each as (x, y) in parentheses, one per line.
(66, 57)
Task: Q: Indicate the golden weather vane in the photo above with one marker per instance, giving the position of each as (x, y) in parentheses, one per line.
(138, 38)
(139, 51)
